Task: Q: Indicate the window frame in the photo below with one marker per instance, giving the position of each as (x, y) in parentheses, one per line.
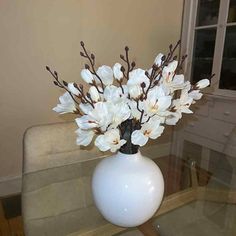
(188, 36)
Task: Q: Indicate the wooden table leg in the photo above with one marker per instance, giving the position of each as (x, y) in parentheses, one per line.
(148, 229)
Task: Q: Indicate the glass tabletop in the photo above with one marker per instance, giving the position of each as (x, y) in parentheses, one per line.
(197, 201)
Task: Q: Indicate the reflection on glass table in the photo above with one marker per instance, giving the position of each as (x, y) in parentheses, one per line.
(197, 201)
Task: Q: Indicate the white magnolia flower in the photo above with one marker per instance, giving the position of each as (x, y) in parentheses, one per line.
(87, 76)
(120, 112)
(136, 78)
(195, 95)
(152, 129)
(174, 82)
(67, 104)
(94, 93)
(118, 74)
(86, 122)
(135, 113)
(156, 101)
(169, 70)
(135, 90)
(172, 118)
(73, 89)
(158, 59)
(202, 83)
(85, 108)
(110, 140)
(106, 74)
(99, 117)
(182, 104)
(114, 94)
(84, 137)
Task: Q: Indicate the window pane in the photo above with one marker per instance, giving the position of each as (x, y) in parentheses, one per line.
(203, 53)
(228, 69)
(208, 11)
(232, 11)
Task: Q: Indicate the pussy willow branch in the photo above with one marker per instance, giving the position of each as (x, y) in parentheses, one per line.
(92, 62)
(130, 66)
(82, 96)
(59, 84)
(64, 86)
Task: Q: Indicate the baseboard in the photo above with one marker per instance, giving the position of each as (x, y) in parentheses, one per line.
(10, 186)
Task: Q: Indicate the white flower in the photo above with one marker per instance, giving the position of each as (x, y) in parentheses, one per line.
(67, 104)
(195, 95)
(172, 118)
(182, 104)
(110, 140)
(135, 91)
(85, 107)
(202, 83)
(158, 59)
(99, 117)
(101, 114)
(156, 101)
(106, 74)
(173, 83)
(151, 129)
(87, 76)
(120, 112)
(118, 74)
(86, 122)
(94, 94)
(84, 137)
(112, 93)
(136, 78)
(73, 89)
(168, 71)
(135, 113)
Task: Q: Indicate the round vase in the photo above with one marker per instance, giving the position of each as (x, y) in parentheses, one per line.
(127, 189)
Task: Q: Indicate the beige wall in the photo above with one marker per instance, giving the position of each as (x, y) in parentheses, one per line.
(47, 32)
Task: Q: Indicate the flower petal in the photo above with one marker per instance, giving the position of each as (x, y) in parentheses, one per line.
(101, 143)
(106, 74)
(67, 104)
(202, 83)
(94, 94)
(86, 122)
(138, 138)
(73, 89)
(84, 137)
(158, 59)
(87, 76)
(118, 74)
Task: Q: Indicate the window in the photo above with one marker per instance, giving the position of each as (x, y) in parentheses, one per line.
(209, 39)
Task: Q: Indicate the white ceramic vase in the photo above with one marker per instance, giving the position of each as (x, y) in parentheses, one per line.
(127, 189)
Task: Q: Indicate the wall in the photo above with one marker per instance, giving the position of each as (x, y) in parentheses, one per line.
(38, 33)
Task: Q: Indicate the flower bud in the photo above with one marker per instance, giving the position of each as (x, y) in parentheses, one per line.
(158, 59)
(73, 89)
(117, 71)
(202, 83)
(87, 76)
(94, 94)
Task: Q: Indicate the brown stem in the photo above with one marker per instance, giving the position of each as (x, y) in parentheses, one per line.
(59, 84)
(92, 62)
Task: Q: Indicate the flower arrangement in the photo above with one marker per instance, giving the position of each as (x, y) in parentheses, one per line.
(125, 106)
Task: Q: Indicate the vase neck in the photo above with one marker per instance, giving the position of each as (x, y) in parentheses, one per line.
(129, 156)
